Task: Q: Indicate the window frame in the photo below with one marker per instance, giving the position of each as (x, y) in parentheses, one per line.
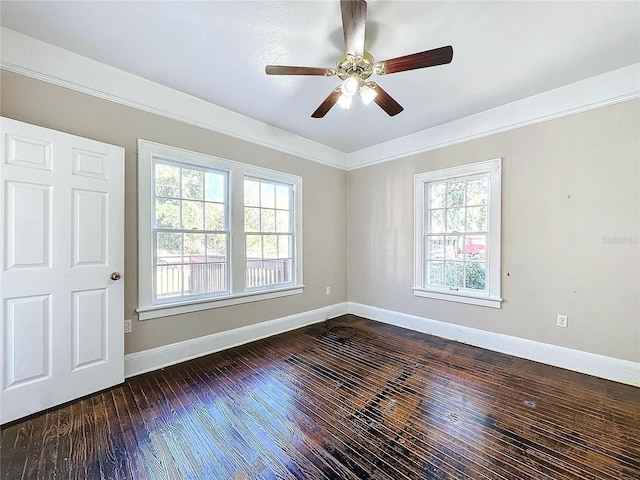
(491, 296)
(291, 233)
(163, 160)
(148, 306)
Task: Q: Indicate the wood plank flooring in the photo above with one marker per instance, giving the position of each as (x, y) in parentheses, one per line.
(364, 400)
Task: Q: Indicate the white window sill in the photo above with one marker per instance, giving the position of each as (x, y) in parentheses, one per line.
(166, 310)
(459, 297)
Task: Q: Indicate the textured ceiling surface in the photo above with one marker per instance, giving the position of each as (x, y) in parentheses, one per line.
(217, 50)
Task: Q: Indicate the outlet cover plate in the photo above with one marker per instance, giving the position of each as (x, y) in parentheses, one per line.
(562, 320)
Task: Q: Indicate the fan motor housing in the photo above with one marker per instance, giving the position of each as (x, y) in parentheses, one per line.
(360, 65)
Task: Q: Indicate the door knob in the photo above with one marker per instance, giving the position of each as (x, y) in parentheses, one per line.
(115, 276)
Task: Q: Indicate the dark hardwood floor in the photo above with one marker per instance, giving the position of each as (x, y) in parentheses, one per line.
(363, 401)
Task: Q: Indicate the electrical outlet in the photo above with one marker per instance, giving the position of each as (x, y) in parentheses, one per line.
(562, 320)
(127, 326)
(328, 290)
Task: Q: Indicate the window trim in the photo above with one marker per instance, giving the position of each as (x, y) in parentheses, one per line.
(491, 297)
(237, 293)
(169, 309)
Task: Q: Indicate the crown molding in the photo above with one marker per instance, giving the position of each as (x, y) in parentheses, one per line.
(39, 60)
(42, 61)
(606, 89)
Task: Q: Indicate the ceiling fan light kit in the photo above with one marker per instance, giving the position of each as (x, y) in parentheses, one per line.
(344, 101)
(351, 85)
(368, 93)
(356, 65)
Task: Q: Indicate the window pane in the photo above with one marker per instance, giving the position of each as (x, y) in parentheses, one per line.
(214, 187)
(216, 247)
(167, 181)
(475, 273)
(435, 273)
(284, 246)
(264, 273)
(477, 191)
(455, 194)
(270, 246)
(192, 184)
(453, 274)
(168, 281)
(453, 248)
(217, 277)
(254, 247)
(436, 221)
(202, 278)
(475, 247)
(194, 247)
(268, 220)
(435, 248)
(282, 221)
(168, 248)
(214, 216)
(192, 215)
(254, 274)
(455, 220)
(269, 272)
(284, 270)
(476, 219)
(167, 213)
(267, 195)
(282, 197)
(193, 280)
(251, 193)
(251, 219)
(436, 195)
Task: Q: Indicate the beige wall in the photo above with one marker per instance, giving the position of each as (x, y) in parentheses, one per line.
(570, 227)
(324, 192)
(570, 186)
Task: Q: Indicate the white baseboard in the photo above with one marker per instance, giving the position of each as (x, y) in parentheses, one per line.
(615, 369)
(156, 358)
(610, 368)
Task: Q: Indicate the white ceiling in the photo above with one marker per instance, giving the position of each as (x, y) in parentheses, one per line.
(217, 51)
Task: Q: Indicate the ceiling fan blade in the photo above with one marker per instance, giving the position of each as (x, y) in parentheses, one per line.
(430, 58)
(329, 102)
(354, 17)
(287, 70)
(386, 102)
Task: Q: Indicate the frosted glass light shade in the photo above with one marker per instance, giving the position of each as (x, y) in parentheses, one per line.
(367, 94)
(345, 101)
(350, 85)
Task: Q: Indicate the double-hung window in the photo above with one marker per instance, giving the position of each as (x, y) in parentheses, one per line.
(457, 238)
(212, 232)
(268, 229)
(190, 231)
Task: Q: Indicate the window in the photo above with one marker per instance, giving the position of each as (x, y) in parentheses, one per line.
(213, 232)
(268, 232)
(457, 240)
(190, 233)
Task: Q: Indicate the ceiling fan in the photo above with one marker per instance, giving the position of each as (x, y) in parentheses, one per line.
(356, 65)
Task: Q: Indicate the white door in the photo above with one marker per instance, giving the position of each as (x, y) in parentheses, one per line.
(62, 237)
